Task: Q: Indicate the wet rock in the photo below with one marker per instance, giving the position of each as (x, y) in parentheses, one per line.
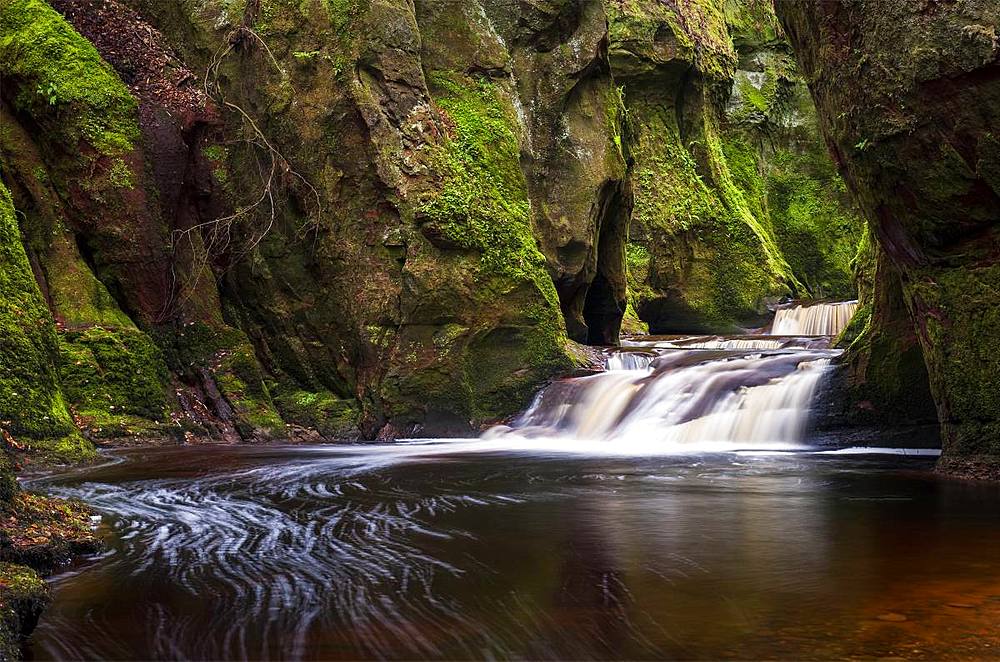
(907, 93)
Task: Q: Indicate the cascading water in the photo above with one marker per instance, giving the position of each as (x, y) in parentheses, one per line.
(824, 319)
(696, 393)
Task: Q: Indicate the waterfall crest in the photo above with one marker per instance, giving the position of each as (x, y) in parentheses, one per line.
(822, 319)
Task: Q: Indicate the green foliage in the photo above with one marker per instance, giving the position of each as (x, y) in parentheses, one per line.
(62, 78)
(49, 92)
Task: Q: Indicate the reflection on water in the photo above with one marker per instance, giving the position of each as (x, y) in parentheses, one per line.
(470, 550)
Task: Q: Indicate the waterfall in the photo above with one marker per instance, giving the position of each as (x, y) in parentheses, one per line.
(696, 397)
(695, 393)
(824, 319)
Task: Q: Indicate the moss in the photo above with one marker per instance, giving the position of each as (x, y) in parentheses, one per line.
(482, 204)
(115, 380)
(963, 364)
(331, 416)
(798, 192)
(31, 403)
(61, 77)
(23, 596)
(120, 175)
(739, 202)
(887, 381)
(698, 28)
(816, 228)
(344, 13)
(481, 209)
(752, 22)
(228, 355)
(705, 270)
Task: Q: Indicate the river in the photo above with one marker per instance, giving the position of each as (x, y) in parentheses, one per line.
(670, 507)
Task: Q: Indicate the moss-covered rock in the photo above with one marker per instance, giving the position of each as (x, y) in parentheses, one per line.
(60, 76)
(32, 407)
(23, 596)
(908, 100)
(113, 378)
(405, 216)
(736, 202)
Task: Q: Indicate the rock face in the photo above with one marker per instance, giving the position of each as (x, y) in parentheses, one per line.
(908, 94)
(736, 202)
(258, 219)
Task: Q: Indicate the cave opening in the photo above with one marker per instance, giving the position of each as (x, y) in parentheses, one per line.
(605, 301)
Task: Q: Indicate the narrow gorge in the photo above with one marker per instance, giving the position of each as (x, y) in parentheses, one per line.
(347, 244)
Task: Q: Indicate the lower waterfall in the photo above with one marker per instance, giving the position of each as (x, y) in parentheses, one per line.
(696, 393)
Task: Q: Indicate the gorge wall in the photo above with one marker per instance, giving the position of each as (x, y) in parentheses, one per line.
(908, 96)
(307, 219)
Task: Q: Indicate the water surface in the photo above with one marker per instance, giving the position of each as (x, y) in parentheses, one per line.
(490, 549)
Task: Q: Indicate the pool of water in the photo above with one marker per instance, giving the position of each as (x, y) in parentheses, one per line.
(477, 549)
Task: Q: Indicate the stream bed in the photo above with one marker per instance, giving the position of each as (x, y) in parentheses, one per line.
(514, 548)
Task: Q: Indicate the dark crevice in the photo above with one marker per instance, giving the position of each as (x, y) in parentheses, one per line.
(604, 305)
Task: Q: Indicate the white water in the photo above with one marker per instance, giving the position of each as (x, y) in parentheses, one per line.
(694, 394)
(666, 399)
(824, 319)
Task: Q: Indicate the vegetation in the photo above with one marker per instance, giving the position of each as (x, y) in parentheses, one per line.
(60, 70)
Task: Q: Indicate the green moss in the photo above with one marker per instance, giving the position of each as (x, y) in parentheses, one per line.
(752, 22)
(739, 201)
(697, 26)
(120, 175)
(804, 203)
(707, 266)
(61, 77)
(111, 373)
(31, 403)
(482, 204)
(481, 209)
(229, 356)
(23, 596)
(962, 330)
(816, 228)
(538, 345)
(343, 13)
(44, 532)
(333, 417)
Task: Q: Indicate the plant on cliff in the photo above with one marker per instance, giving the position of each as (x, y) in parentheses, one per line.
(61, 77)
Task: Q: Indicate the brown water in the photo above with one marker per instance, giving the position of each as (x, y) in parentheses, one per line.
(471, 549)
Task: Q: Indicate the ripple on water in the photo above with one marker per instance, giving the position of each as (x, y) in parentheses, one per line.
(386, 552)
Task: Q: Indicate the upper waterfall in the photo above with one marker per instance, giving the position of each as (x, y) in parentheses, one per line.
(822, 319)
